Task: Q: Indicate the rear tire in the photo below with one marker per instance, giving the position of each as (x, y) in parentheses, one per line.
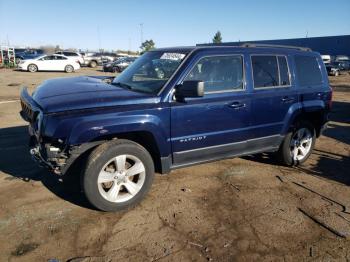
(69, 69)
(93, 64)
(32, 68)
(298, 144)
(118, 175)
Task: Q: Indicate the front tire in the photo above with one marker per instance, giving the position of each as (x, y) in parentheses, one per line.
(32, 68)
(69, 69)
(118, 175)
(298, 144)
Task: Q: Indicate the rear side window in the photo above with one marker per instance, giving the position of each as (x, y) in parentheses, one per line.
(265, 71)
(270, 71)
(69, 54)
(284, 72)
(219, 73)
(308, 70)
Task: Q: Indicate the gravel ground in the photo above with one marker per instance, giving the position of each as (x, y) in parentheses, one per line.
(240, 209)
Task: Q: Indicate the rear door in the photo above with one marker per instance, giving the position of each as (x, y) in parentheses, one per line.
(60, 62)
(274, 94)
(213, 126)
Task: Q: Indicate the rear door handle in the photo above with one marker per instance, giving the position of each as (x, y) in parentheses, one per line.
(237, 105)
(287, 99)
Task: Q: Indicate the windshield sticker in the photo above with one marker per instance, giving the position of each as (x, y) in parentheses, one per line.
(172, 56)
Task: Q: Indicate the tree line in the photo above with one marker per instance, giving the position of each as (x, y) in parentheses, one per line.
(148, 45)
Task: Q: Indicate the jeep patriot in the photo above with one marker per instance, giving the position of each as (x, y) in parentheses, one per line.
(176, 107)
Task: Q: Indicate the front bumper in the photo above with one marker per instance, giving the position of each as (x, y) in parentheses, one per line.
(37, 157)
(57, 159)
(21, 67)
(45, 154)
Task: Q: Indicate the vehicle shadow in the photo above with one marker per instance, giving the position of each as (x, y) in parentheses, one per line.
(331, 165)
(16, 162)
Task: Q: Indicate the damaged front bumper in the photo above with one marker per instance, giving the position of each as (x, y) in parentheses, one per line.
(37, 157)
(57, 160)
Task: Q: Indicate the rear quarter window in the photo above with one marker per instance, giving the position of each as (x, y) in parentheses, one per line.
(308, 70)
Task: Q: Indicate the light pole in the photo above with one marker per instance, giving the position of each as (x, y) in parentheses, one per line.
(141, 32)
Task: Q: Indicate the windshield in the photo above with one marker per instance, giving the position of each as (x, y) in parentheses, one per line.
(150, 72)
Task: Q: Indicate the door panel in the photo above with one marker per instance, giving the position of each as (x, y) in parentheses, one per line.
(203, 128)
(270, 107)
(217, 124)
(274, 94)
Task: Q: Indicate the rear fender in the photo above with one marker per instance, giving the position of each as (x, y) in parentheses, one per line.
(298, 109)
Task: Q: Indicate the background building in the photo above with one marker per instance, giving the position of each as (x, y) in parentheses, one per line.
(325, 45)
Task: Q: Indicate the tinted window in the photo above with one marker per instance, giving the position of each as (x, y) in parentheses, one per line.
(308, 70)
(69, 54)
(49, 57)
(265, 71)
(219, 73)
(60, 57)
(284, 72)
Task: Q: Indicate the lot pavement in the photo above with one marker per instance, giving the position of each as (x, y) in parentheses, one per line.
(240, 209)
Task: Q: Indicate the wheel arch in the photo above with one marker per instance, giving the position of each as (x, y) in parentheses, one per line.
(148, 134)
(144, 138)
(315, 114)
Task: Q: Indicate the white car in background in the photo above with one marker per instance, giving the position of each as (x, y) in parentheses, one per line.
(49, 63)
(74, 55)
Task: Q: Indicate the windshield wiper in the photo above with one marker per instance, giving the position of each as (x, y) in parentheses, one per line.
(124, 85)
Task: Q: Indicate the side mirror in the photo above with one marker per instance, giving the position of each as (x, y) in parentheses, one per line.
(190, 88)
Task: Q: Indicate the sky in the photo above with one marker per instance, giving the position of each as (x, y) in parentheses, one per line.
(112, 25)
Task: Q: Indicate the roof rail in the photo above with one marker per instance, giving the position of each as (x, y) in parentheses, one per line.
(276, 46)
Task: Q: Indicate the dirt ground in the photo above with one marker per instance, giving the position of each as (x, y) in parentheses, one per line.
(240, 209)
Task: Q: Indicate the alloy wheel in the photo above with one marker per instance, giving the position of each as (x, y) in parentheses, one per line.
(121, 178)
(300, 144)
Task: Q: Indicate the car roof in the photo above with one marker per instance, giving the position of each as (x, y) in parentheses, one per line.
(251, 48)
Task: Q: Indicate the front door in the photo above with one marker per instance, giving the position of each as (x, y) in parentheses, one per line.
(46, 63)
(217, 124)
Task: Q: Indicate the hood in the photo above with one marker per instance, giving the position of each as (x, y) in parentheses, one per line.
(63, 94)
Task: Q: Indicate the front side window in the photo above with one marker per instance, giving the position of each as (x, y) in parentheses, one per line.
(49, 57)
(265, 71)
(308, 70)
(219, 73)
(150, 72)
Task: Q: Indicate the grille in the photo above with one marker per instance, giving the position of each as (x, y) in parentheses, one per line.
(27, 111)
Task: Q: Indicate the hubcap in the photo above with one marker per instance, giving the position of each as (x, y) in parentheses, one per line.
(121, 178)
(300, 144)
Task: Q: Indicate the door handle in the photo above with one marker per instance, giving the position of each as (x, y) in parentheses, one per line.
(287, 99)
(237, 105)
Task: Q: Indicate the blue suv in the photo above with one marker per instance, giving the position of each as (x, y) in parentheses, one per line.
(208, 103)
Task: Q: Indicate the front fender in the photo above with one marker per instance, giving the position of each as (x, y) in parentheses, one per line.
(92, 129)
